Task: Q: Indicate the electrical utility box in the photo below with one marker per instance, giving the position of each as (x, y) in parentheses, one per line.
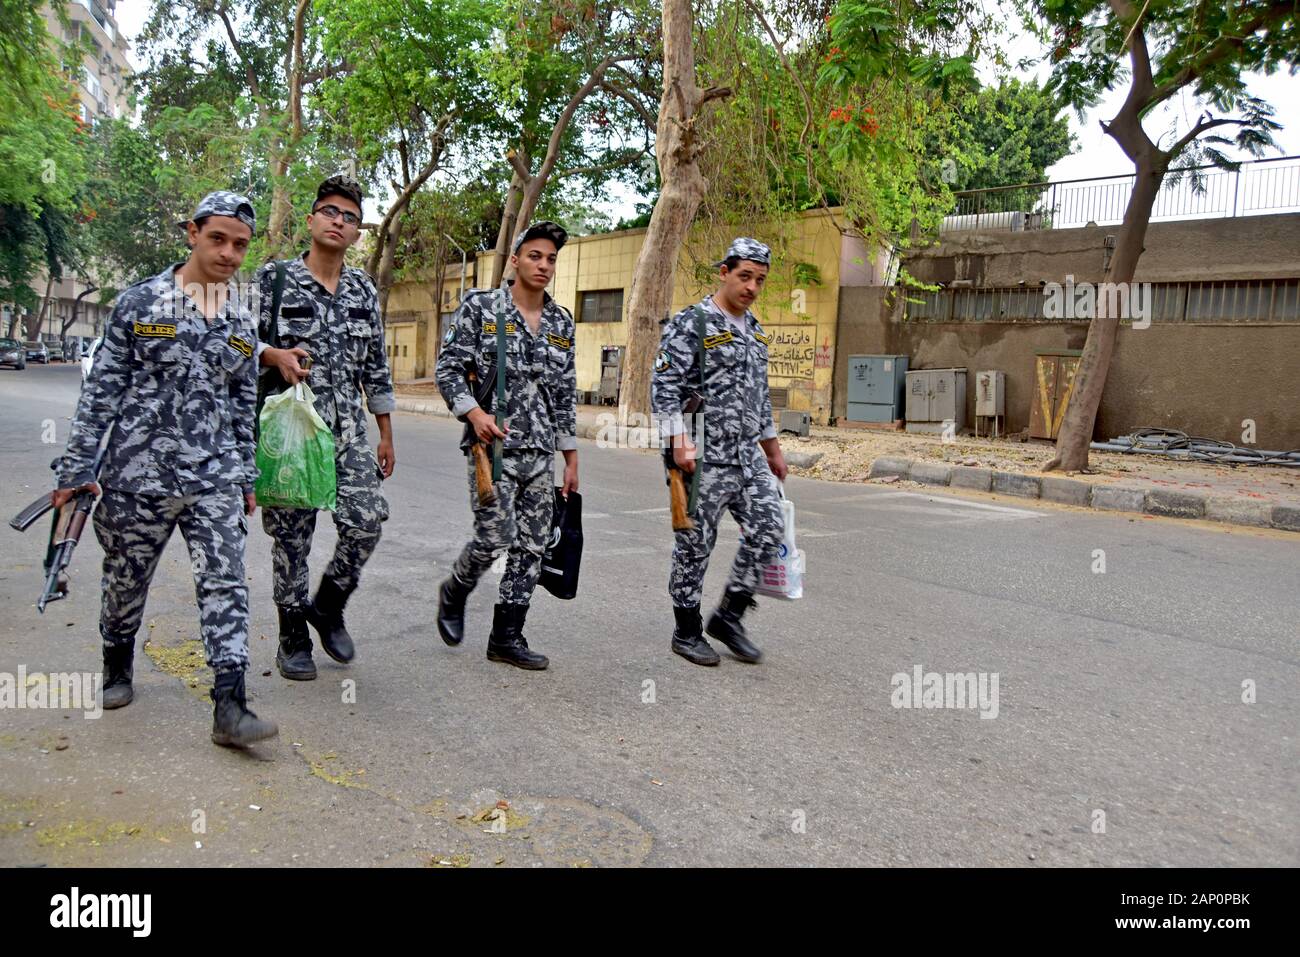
(990, 402)
(936, 397)
(990, 393)
(611, 372)
(876, 388)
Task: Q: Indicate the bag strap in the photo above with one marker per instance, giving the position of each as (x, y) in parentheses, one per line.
(501, 384)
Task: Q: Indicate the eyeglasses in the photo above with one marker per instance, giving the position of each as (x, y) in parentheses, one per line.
(333, 212)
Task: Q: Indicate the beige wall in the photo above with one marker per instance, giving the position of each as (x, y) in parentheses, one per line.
(808, 321)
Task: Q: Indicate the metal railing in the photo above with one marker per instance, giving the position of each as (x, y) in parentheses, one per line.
(1205, 192)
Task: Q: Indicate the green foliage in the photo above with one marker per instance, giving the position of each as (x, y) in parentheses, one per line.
(999, 136)
(1202, 48)
(42, 162)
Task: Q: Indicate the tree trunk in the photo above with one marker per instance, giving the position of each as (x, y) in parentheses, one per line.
(385, 278)
(281, 201)
(34, 325)
(506, 234)
(1075, 437)
(683, 188)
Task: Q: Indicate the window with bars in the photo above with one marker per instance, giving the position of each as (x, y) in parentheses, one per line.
(601, 305)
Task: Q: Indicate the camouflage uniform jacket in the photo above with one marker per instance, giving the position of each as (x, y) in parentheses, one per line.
(738, 403)
(541, 377)
(181, 390)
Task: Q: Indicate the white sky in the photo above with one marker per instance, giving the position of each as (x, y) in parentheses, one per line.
(1097, 154)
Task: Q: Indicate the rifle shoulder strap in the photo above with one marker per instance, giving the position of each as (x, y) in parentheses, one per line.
(501, 382)
(699, 460)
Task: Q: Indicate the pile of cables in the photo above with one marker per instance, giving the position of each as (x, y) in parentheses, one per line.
(1180, 445)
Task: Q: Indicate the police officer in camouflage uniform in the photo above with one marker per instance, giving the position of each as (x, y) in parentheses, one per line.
(175, 376)
(328, 312)
(734, 474)
(541, 418)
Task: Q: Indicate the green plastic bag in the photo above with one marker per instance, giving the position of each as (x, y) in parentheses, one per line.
(295, 453)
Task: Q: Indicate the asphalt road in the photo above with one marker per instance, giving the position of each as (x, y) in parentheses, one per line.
(1118, 692)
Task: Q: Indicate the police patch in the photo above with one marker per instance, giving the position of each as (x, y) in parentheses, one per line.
(242, 346)
(154, 330)
(662, 362)
(560, 341)
(451, 334)
(722, 338)
(492, 328)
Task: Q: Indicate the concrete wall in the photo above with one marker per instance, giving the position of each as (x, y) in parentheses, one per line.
(1248, 247)
(1202, 378)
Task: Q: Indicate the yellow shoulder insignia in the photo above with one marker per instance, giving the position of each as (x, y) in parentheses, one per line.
(720, 339)
(241, 345)
(560, 341)
(766, 340)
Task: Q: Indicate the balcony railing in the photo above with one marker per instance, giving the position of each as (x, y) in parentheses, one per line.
(1256, 188)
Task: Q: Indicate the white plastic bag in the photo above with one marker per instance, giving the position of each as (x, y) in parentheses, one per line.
(783, 577)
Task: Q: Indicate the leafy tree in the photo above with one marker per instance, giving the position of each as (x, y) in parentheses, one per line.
(1161, 50)
(1002, 135)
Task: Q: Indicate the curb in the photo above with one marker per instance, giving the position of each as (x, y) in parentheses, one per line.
(1067, 491)
(1049, 488)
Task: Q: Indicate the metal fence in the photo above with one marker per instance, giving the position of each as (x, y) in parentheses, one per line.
(1256, 188)
(1267, 300)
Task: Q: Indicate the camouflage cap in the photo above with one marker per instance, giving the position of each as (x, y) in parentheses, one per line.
(543, 229)
(751, 249)
(222, 202)
(340, 184)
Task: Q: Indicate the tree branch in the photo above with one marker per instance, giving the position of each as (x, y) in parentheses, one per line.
(1173, 151)
(253, 86)
(650, 119)
(626, 160)
(517, 164)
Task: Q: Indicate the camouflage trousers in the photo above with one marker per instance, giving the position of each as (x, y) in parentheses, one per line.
(133, 531)
(359, 514)
(519, 523)
(751, 494)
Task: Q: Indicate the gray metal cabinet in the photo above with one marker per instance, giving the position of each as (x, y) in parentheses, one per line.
(876, 388)
(936, 396)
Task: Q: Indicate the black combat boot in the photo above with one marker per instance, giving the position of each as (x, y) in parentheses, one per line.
(118, 671)
(451, 609)
(507, 642)
(725, 625)
(233, 725)
(326, 615)
(688, 637)
(294, 655)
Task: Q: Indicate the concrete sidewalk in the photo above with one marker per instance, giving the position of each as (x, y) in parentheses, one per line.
(1255, 496)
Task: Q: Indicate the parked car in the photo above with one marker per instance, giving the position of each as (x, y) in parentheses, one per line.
(55, 350)
(13, 354)
(88, 359)
(36, 352)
